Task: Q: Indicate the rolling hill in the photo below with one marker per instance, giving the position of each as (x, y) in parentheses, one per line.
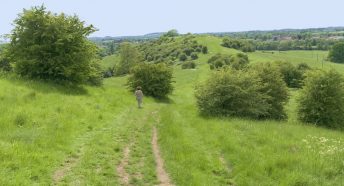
(97, 136)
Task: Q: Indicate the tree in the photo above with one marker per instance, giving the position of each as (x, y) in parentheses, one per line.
(172, 33)
(336, 53)
(130, 56)
(321, 100)
(51, 46)
(155, 79)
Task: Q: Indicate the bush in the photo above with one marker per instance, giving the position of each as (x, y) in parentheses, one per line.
(194, 56)
(231, 93)
(258, 92)
(293, 76)
(303, 67)
(205, 50)
(109, 72)
(155, 79)
(336, 53)
(321, 100)
(52, 47)
(95, 76)
(274, 88)
(188, 51)
(5, 64)
(183, 57)
(239, 61)
(236, 61)
(189, 65)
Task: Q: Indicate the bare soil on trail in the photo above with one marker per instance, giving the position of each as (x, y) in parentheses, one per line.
(162, 175)
(65, 168)
(122, 173)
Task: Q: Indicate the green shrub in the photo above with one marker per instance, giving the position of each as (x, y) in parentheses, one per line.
(189, 65)
(321, 100)
(5, 64)
(53, 47)
(183, 57)
(231, 93)
(274, 88)
(188, 51)
(194, 56)
(155, 79)
(336, 53)
(205, 50)
(95, 76)
(303, 67)
(239, 61)
(292, 75)
(199, 49)
(258, 92)
(236, 61)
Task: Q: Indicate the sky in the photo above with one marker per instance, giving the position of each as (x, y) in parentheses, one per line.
(138, 17)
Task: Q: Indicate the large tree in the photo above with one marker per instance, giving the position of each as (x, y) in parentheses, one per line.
(52, 46)
(130, 56)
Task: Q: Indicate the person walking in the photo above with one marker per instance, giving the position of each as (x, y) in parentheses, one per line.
(139, 96)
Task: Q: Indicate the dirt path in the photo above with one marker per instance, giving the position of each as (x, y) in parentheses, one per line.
(225, 164)
(162, 175)
(124, 176)
(65, 168)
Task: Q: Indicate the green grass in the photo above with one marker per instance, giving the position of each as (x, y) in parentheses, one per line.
(46, 127)
(254, 152)
(110, 61)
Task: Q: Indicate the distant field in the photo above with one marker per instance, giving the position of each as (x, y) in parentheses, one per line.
(52, 135)
(110, 61)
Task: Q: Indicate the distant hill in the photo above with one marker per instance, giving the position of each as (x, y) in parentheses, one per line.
(128, 38)
(325, 32)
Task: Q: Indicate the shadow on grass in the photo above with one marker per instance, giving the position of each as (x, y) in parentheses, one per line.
(230, 118)
(48, 86)
(165, 100)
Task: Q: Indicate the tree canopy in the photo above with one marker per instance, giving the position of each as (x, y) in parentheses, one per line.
(52, 46)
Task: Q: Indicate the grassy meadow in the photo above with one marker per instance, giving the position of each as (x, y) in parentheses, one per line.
(61, 136)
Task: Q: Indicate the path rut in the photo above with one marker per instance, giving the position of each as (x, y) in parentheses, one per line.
(162, 175)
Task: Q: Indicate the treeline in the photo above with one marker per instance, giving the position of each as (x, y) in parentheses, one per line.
(295, 34)
(308, 44)
(249, 45)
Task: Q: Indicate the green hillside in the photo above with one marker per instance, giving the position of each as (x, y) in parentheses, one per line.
(97, 136)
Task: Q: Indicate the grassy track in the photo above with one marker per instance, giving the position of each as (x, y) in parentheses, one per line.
(76, 137)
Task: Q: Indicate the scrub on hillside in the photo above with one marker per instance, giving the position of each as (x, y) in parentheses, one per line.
(139, 96)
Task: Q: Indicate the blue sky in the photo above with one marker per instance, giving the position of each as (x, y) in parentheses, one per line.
(136, 17)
